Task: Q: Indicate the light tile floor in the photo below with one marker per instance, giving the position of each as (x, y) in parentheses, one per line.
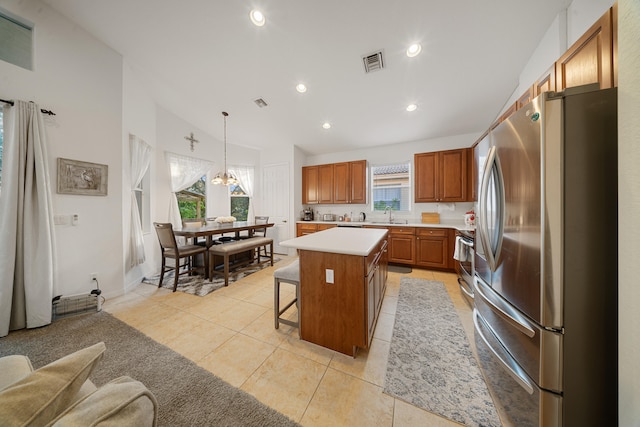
(231, 333)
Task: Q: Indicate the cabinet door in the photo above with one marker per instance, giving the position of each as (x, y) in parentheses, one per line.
(310, 185)
(588, 60)
(525, 98)
(372, 298)
(325, 183)
(546, 83)
(432, 248)
(341, 183)
(304, 229)
(452, 176)
(402, 249)
(358, 181)
(425, 177)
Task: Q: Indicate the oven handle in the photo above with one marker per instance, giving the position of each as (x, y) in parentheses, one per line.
(463, 288)
(507, 313)
(466, 242)
(510, 365)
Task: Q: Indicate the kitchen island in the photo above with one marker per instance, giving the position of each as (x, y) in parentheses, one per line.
(343, 276)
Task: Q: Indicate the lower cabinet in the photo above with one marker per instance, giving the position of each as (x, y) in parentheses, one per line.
(428, 247)
(402, 245)
(376, 287)
(308, 228)
(432, 248)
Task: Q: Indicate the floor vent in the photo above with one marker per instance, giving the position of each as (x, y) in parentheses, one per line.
(373, 62)
(63, 306)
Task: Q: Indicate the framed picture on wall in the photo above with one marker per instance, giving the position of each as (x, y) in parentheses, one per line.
(83, 178)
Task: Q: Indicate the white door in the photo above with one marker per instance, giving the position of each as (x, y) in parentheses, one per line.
(275, 181)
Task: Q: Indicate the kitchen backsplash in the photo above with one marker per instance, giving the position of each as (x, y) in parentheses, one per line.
(447, 211)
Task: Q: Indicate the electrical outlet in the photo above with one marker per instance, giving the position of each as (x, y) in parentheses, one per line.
(93, 276)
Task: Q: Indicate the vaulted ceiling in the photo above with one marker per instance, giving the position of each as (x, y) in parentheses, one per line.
(201, 57)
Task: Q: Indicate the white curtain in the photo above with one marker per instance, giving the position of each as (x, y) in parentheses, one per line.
(184, 171)
(245, 175)
(27, 254)
(140, 157)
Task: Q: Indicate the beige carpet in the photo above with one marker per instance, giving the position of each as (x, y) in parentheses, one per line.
(187, 394)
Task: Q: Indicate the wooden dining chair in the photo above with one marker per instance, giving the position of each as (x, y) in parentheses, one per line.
(193, 223)
(170, 249)
(261, 232)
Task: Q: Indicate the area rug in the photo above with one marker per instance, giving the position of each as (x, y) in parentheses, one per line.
(198, 285)
(431, 364)
(187, 394)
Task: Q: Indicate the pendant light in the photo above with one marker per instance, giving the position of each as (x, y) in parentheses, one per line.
(225, 178)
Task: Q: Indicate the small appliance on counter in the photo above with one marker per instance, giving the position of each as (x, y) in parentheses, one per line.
(307, 214)
(328, 217)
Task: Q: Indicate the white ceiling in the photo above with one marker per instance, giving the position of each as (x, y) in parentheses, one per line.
(202, 57)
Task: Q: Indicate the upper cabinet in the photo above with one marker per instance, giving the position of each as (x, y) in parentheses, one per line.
(335, 183)
(350, 182)
(441, 176)
(590, 59)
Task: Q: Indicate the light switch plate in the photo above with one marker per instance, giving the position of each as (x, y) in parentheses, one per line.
(328, 275)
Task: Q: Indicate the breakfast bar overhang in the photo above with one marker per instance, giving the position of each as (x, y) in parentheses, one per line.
(343, 276)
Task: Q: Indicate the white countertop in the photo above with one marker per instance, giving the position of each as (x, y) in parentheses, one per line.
(339, 240)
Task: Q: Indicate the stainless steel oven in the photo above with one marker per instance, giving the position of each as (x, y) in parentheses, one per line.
(465, 259)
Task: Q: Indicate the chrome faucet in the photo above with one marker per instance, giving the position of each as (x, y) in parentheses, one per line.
(390, 209)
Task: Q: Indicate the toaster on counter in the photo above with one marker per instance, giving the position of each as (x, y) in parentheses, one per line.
(328, 217)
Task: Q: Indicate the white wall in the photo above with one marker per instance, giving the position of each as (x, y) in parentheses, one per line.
(80, 79)
(629, 206)
(139, 119)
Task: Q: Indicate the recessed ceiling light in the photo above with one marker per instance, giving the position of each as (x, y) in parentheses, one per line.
(326, 125)
(257, 18)
(414, 50)
(301, 88)
(412, 107)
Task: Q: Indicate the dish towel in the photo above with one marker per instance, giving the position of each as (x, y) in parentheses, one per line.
(459, 253)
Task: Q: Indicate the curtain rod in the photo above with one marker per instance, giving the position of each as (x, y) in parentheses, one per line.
(49, 112)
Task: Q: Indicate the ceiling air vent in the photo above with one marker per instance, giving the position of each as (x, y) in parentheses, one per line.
(373, 62)
(260, 102)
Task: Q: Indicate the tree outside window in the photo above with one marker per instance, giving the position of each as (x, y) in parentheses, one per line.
(192, 201)
(239, 202)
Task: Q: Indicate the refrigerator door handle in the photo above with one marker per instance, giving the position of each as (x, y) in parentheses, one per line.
(491, 168)
(507, 362)
(504, 311)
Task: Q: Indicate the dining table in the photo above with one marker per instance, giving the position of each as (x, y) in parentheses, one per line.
(216, 228)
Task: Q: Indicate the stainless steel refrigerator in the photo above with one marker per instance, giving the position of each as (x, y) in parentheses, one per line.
(546, 276)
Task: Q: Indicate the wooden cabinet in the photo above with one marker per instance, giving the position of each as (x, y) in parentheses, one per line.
(590, 59)
(376, 286)
(350, 182)
(546, 83)
(303, 228)
(402, 245)
(335, 183)
(432, 248)
(310, 185)
(341, 314)
(441, 176)
(325, 184)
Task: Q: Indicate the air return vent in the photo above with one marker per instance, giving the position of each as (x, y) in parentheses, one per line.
(373, 62)
(260, 102)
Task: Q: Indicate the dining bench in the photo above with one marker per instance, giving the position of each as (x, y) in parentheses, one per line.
(226, 250)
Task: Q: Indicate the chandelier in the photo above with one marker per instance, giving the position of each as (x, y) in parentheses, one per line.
(225, 177)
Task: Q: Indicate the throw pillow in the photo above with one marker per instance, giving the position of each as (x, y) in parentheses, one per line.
(46, 392)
